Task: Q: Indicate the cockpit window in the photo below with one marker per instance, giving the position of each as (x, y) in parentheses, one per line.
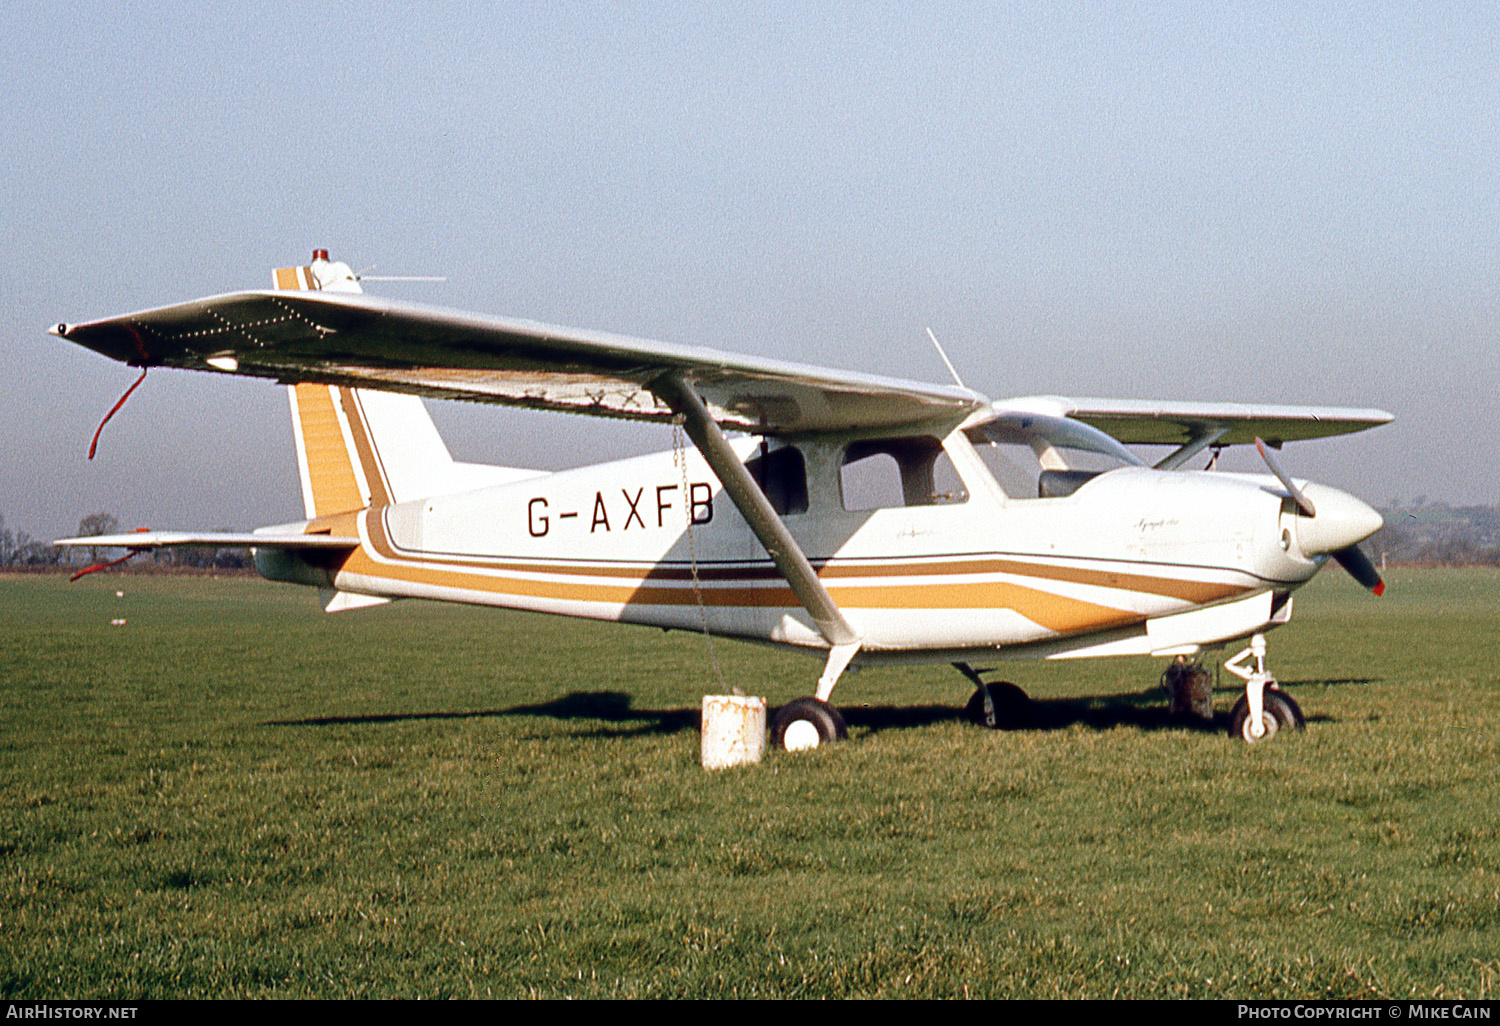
(1036, 456)
(885, 473)
(782, 476)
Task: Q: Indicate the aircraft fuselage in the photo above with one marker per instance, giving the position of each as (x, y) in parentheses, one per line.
(653, 540)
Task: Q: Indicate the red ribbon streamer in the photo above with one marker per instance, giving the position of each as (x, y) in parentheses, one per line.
(112, 411)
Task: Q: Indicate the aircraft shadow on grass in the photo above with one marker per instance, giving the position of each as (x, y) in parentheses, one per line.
(610, 706)
(1144, 710)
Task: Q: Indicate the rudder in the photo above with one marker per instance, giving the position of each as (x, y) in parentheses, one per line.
(359, 447)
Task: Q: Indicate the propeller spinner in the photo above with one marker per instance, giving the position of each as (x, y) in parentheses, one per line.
(1331, 523)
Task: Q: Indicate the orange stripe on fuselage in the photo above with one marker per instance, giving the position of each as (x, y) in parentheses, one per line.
(1196, 592)
(1055, 612)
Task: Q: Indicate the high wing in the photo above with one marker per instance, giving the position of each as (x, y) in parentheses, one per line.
(361, 340)
(305, 332)
(1151, 422)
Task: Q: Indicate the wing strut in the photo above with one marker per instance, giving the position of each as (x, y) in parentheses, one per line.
(764, 521)
(1201, 439)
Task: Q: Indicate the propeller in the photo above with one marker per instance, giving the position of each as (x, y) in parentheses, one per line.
(1303, 505)
(1354, 560)
(1344, 516)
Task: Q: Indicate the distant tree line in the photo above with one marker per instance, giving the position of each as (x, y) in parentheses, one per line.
(1438, 534)
(20, 550)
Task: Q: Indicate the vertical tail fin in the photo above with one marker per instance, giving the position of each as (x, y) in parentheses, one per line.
(358, 448)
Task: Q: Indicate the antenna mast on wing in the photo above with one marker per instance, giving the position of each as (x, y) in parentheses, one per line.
(949, 363)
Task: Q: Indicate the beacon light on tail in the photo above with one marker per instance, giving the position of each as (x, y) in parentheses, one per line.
(864, 520)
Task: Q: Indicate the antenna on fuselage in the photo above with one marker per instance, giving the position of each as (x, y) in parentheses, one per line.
(947, 362)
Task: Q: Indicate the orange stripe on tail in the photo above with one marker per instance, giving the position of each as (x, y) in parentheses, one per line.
(325, 452)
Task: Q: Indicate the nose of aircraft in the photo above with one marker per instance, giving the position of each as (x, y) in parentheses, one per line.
(1341, 521)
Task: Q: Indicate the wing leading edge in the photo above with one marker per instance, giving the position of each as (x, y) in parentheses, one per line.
(325, 331)
(366, 341)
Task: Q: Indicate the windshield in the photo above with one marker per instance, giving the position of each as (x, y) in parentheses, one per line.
(1040, 456)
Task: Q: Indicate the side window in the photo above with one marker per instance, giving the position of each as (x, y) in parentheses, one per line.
(884, 473)
(782, 475)
(1013, 466)
(872, 481)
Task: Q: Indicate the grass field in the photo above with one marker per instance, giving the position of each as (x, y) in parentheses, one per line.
(234, 794)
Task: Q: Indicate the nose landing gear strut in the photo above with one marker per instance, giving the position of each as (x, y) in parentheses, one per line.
(1264, 709)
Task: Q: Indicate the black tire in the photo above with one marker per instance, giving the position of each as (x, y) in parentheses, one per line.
(1279, 713)
(824, 718)
(1013, 707)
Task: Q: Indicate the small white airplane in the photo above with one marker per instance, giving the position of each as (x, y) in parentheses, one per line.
(864, 519)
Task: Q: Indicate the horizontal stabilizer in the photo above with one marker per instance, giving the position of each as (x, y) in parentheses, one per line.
(211, 540)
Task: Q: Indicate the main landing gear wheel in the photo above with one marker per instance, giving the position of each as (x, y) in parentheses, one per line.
(806, 723)
(1190, 691)
(1278, 712)
(1011, 708)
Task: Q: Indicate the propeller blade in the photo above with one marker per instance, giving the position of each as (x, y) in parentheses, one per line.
(1360, 568)
(1286, 480)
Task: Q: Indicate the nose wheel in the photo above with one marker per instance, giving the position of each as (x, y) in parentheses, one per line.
(1264, 710)
(1278, 712)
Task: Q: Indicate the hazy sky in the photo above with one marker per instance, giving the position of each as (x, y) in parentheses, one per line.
(1274, 202)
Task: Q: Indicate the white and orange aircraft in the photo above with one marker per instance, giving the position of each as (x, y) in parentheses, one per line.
(863, 519)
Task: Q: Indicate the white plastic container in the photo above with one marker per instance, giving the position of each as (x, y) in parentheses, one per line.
(734, 730)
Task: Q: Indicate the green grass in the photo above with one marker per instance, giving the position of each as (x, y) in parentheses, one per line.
(237, 795)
